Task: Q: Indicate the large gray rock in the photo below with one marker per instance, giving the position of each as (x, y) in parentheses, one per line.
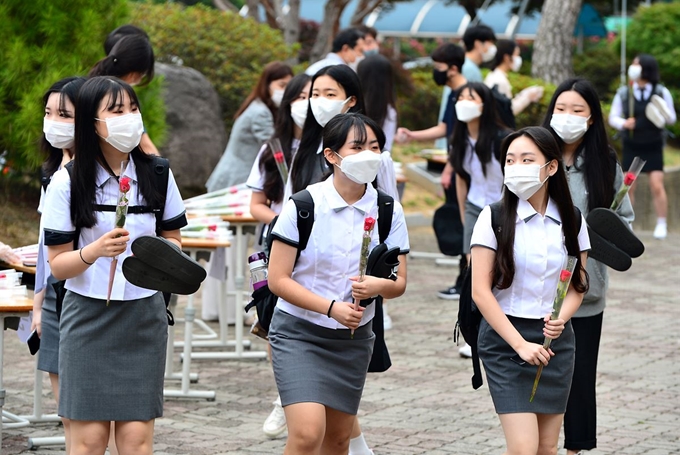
(196, 135)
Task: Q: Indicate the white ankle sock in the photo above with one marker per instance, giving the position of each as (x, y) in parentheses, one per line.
(358, 446)
(661, 221)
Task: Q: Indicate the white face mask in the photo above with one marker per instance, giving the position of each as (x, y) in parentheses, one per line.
(490, 53)
(467, 110)
(325, 109)
(355, 64)
(570, 128)
(298, 111)
(524, 179)
(361, 167)
(59, 134)
(634, 72)
(277, 96)
(516, 63)
(125, 131)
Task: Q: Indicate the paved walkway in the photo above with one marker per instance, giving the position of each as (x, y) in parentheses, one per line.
(424, 404)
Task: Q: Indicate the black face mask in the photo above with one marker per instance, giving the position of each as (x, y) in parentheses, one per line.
(440, 77)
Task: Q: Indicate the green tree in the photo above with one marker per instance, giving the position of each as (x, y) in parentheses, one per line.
(44, 41)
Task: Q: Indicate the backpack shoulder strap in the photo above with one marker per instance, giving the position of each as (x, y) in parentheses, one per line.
(305, 218)
(496, 217)
(44, 179)
(385, 213)
(161, 176)
(69, 169)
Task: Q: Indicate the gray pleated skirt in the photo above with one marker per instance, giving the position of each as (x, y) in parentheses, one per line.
(48, 356)
(471, 214)
(510, 384)
(112, 359)
(314, 364)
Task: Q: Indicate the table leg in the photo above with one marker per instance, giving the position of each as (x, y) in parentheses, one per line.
(189, 314)
(239, 281)
(38, 416)
(170, 375)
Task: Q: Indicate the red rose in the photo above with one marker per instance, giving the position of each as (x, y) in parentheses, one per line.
(124, 184)
(628, 179)
(369, 222)
(278, 156)
(565, 275)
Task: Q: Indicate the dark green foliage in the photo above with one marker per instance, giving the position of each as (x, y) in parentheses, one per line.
(44, 41)
(601, 65)
(229, 50)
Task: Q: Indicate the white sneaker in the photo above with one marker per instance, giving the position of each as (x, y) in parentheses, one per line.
(660, 231)
(465, 351)
(276, 422)
(387, 320)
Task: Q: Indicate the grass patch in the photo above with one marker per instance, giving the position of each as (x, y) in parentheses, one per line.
(20, 221)
(671, 156)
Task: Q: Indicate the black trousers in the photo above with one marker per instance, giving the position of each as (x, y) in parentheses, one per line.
(580, 420)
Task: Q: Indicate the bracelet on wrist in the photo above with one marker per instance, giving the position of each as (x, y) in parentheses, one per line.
(80, 251)
(330, 308)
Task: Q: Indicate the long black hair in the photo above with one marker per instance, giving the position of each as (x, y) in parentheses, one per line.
(337, 129)
(377, 81)
(490, 129)
(307, 163)
(96, 93)
(284, 129)
(68, 89)
(599, 158)
(130, 54)
(273, 71)
(650, 69)
(503, 47)
(558, 191)
(124, 30)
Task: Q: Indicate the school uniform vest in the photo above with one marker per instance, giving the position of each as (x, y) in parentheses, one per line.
(645, 131)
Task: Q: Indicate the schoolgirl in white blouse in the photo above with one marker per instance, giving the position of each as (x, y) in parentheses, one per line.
(111, 356)
(265, 180)
(320, 368)
(475, 152)
(515, 272)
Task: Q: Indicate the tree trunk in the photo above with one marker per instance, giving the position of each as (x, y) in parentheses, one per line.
(225, 5)
(273, 11)
(328, 29)
(364, 8)
(253, 9)
(553, 47)
(291, 26)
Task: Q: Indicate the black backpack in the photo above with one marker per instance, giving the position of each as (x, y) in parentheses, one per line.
(161, 176)
(469, 316)
(504, 108)
(264, 300)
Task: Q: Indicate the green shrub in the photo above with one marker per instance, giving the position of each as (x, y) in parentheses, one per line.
(229, 50)
(534, 113)
(44, 41)
(601, 66)
(418, 100)
(152, 106)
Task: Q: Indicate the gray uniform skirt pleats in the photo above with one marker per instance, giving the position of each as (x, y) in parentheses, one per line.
(112, 358)
(510, 383)
(48, 356)
(314, 364)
